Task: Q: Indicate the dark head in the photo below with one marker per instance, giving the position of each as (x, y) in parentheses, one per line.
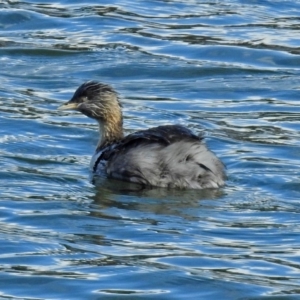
(95, 100)
(99, 101)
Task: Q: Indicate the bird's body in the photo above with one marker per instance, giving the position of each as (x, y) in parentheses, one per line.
(164, 156)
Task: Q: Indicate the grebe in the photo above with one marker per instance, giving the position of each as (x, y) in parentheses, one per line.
(164, 156)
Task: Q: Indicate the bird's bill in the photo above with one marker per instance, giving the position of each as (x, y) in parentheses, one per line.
(68, 105)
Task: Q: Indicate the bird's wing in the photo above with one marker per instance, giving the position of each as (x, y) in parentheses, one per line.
(163, 135)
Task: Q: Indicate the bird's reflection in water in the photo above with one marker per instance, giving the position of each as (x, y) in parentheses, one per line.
(133, 197)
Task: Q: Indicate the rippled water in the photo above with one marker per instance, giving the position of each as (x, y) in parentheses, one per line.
(229, 68)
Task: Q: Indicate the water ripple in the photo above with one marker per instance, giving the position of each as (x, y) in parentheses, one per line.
(228, 69)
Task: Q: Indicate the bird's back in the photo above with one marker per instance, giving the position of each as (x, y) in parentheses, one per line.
(165, 156)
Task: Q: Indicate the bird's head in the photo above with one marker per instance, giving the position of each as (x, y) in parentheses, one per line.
(95, 100)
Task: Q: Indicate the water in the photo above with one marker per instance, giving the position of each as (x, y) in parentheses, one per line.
(229, 68)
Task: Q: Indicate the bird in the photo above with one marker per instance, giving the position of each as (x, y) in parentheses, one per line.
(167, 156)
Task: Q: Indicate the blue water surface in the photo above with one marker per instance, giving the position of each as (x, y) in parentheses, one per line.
(231, 69)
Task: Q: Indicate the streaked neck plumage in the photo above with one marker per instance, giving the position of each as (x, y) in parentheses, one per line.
(110, 131)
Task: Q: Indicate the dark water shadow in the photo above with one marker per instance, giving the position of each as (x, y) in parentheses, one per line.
(158, 201)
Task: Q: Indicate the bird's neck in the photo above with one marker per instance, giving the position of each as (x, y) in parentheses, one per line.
(110, 133)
